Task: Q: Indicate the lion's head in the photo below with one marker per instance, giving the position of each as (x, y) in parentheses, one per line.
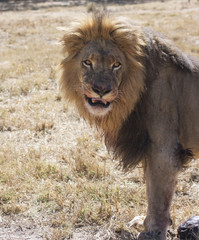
(102, 72)
(100, 75)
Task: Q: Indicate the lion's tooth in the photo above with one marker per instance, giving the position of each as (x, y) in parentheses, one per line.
(104, 101)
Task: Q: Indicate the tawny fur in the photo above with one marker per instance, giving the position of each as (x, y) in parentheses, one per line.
(154, 117)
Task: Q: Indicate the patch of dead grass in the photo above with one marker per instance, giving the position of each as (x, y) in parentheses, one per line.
(54, 169)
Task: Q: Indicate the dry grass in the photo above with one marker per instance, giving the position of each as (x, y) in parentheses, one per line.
(56, 179)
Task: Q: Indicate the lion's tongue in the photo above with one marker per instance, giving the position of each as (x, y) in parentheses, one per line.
(94, 100)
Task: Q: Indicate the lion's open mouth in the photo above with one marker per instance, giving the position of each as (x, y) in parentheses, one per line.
(97, 102)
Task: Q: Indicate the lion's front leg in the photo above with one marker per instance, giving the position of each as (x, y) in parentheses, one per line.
(161, 176)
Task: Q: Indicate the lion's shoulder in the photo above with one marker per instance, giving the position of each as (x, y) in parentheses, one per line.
(163, 50)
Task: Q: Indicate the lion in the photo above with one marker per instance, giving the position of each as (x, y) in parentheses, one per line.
(142, 92)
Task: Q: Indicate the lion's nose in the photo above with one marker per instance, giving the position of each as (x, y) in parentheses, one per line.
(101, 89)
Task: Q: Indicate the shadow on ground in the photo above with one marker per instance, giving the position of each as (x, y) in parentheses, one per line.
(21, 5)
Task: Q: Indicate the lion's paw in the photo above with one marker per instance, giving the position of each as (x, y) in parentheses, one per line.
(151, 236)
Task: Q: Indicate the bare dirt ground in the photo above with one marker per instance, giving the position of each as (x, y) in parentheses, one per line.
(57, 180)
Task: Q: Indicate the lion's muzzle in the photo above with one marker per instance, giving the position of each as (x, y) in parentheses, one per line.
(99, 101)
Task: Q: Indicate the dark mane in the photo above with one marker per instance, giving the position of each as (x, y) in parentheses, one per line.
(133, 139)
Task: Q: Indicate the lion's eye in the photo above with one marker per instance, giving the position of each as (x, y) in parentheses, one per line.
(116, 65)
(87, 63)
